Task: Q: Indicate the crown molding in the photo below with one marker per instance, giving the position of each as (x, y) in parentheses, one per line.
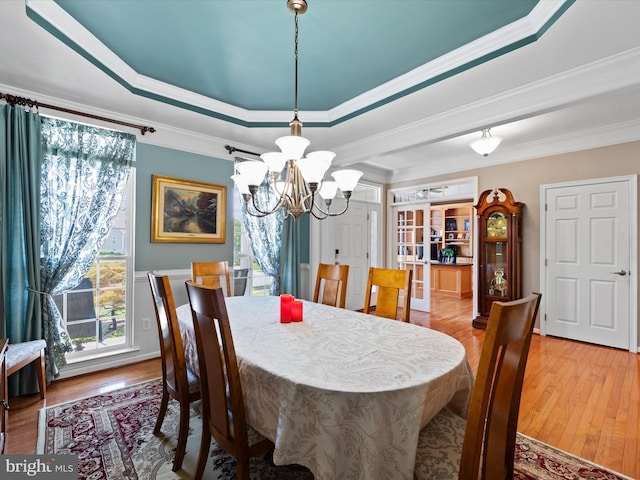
(64, 27)
(167, 136)
(575, 85)
(557, 145)
(488, 47)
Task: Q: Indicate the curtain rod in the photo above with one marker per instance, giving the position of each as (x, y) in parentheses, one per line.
(231, 149)
(26, 102)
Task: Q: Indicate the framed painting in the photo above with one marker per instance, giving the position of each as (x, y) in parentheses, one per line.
(184, 211)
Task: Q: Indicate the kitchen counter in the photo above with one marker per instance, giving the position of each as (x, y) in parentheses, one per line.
(454, 279)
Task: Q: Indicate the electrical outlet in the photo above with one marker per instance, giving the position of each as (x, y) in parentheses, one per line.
(146, 324)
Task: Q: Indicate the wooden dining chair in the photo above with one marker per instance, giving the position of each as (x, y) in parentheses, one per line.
(483, 446)
(332, 279)
(223, 411)
(390, 283)
(178, 381)
(212, 274)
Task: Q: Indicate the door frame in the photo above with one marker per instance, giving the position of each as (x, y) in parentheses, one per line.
(632, 180)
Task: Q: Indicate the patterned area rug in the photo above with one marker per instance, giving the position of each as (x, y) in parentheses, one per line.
(112, 436)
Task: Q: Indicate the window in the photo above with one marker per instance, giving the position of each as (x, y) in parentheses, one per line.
(257, 282)
(367, 193)
(436, 192)
(98, 311)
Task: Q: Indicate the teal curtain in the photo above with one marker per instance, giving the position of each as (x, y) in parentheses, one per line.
(291, 257)
(84, 174)
(20, 163)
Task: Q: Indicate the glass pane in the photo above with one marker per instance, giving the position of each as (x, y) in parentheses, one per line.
(373, 216)
(418, 282)
(496, 276)
(496, 225)
(368, 193)
(112, 273)
(436, 193)
(95, 311)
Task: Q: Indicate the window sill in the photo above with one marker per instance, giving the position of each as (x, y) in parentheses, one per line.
(98, 355)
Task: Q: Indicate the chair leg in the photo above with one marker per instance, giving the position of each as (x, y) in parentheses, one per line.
(242, 469)
(205, 444)
(183, 433)
(163, 410)
(42, 379)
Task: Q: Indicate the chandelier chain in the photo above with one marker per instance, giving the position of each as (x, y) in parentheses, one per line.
(304, 176)
(295, 104)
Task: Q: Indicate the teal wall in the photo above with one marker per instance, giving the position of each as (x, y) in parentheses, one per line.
(153, 160)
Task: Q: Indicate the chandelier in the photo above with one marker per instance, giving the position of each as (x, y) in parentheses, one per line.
(303, 176)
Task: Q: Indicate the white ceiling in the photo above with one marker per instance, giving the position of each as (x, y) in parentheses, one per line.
(576, 87)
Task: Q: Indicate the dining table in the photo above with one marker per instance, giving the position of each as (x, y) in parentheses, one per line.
(342, 393)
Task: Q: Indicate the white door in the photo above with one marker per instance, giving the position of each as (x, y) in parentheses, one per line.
(350, 239)
(588, 241)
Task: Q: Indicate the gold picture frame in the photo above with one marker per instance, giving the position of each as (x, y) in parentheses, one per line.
(185, 211)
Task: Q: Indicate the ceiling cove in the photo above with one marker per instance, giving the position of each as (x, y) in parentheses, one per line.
(149, 69)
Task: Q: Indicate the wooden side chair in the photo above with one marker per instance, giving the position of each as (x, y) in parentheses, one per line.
(483, 446)
(240, 280)
(223, 411)
(179, 382)
(333, 281)
(390, 284)
(21, 354)
(212, 274)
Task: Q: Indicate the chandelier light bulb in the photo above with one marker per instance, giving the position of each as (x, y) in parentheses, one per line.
(274, 160)
(241, 184)
(346, 179)
(292, 147)
(252, 172)
(328, 190)
(312, 170)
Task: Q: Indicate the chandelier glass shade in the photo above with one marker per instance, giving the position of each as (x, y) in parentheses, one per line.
(486, 144)
(295, 178)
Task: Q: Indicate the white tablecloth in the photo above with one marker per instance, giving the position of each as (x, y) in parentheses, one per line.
(343, 393)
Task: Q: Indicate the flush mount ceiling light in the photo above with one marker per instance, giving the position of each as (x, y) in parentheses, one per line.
(304, 177)
(486, 144)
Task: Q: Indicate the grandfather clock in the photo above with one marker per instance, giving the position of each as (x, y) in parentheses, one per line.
(499, 251)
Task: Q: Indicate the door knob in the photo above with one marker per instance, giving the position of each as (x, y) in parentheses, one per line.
(622, 273)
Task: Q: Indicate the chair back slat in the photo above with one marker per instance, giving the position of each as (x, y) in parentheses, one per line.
(212, 274)
(331, 285)
(391, 285)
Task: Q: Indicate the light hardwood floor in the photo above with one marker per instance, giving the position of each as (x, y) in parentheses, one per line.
(581, 398)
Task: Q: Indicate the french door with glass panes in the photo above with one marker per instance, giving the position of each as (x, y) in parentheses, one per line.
(411, 249)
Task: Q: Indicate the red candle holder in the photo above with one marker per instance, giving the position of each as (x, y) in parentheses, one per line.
(296, 311)
(286, 302)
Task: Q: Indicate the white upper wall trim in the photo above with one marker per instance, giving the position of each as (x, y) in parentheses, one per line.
(484, 46)
(615, 72)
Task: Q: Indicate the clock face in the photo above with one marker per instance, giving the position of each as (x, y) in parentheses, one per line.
(496, 225)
